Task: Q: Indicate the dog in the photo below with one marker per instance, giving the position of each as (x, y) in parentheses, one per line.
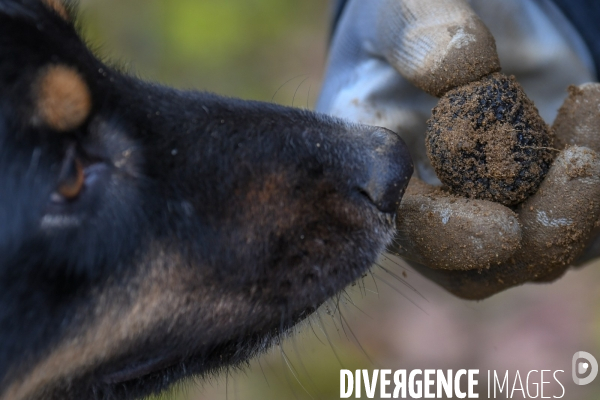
(148, 234)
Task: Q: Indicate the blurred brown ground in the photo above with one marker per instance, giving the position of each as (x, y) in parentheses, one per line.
(274, 50)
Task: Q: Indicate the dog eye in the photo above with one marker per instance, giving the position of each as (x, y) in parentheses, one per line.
(71, 179)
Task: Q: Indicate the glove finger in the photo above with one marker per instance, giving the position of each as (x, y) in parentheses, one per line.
(476, 284)
(577, 123)
(442, 231)
(578, 119)
(558, 220)
(436, 44)
(360, 84)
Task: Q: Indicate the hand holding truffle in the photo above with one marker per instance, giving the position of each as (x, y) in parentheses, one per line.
(485, 139)
(488, 145)
(516, 204)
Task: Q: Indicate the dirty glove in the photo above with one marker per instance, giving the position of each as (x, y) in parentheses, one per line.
(387, 55)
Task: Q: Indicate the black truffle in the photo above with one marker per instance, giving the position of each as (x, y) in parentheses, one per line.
(486, 140)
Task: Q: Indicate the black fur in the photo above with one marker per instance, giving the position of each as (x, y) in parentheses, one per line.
(206, 226)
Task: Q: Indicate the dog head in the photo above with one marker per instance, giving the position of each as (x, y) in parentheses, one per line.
(147, 233)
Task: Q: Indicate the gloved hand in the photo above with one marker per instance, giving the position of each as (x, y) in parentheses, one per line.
(387, 54)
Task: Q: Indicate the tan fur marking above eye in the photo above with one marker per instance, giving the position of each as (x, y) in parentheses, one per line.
(58, 7)
(63, 99)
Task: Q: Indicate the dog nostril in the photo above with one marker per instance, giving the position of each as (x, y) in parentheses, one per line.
(365, 194)
(390, 168)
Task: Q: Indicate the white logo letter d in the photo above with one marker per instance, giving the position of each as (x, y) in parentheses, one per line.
(583, 367)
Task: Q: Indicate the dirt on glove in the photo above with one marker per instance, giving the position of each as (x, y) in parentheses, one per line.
(443, 231)
(579, 118)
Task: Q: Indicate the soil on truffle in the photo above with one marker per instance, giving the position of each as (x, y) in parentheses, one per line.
(486, 140)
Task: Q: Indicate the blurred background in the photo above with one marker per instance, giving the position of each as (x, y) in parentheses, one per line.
(241, 48)
(275, 50)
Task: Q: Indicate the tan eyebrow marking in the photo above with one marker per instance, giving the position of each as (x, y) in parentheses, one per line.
(62, 98)
(58, 7)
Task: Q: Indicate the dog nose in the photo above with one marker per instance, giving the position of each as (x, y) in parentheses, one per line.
(389, 170)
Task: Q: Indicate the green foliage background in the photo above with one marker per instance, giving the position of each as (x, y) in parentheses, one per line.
(242, 48)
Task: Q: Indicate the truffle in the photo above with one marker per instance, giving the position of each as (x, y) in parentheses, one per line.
(486, 140)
